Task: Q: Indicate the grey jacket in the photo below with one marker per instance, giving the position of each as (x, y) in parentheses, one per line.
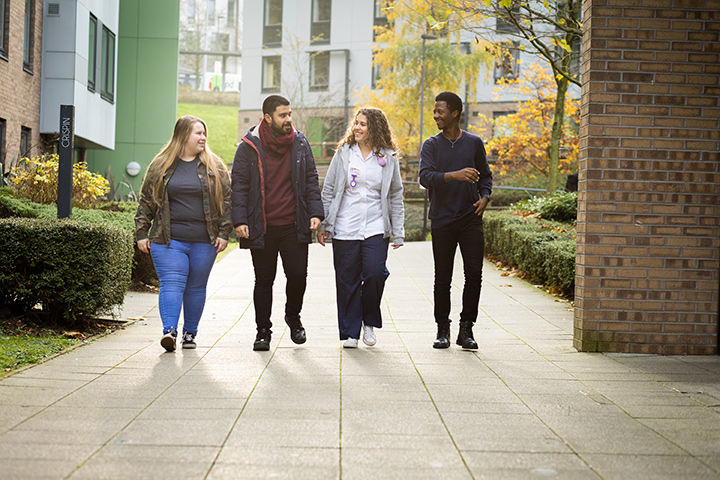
(391, 193)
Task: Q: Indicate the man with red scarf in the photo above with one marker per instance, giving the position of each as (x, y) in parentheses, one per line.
(275, 208)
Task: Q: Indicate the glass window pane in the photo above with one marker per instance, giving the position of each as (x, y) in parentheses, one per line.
(27, 45)
(2, 26)
(271, 73)
(92, 47)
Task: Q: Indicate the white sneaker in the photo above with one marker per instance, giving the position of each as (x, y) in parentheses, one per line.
(369, 336)
(350, 343)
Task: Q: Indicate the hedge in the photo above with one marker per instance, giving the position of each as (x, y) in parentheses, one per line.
(540, 248)
(74, 270)
(119, 214)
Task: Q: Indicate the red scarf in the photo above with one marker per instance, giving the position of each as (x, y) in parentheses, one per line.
(275, 145)
(279, 194)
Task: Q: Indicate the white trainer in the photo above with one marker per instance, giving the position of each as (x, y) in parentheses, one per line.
(350, 343)
(369, 336)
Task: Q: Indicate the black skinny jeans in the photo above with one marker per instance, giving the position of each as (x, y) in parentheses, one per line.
(468, 233)
(283, 240)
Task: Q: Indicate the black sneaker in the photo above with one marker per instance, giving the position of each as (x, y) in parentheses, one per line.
(168, 340)
(297, 331)
(262, 340)
(188, 340)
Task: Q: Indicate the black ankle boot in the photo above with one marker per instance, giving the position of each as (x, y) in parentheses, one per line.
(297, 332)
(443, 336)
(465, 337)
(262, 340)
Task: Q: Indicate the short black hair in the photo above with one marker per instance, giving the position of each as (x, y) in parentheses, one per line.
(454, 103)
(272, 102)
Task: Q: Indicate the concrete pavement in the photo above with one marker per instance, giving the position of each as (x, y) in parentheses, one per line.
(525, 405)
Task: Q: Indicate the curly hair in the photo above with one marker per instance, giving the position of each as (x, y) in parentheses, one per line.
(380, 134)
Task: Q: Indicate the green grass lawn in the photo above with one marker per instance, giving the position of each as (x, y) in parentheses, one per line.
(222, 122)
(20, 350)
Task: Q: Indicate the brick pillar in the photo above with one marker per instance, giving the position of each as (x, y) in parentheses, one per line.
(648, 213)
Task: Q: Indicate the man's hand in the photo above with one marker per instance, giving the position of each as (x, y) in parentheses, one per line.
(315, 223)
(468, 174)
(242, 231)
(321, 236)
(481, 205)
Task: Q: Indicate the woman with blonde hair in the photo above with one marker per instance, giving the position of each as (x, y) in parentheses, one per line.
(363, 201)
(183, 221)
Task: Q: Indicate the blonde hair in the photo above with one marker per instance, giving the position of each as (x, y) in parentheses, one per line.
(380, 134)
(172, 150)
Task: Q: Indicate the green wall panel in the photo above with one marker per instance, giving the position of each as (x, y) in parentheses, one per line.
(146, 85)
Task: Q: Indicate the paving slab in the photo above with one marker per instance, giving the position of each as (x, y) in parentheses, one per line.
(525, 405)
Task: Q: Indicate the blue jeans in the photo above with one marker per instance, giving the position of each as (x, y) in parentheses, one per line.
(183, 269)
(360, 275)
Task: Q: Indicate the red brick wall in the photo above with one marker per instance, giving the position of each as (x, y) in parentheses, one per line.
(20, 90)
(648, 215)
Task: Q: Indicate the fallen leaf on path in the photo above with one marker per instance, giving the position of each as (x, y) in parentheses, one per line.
(506, 285)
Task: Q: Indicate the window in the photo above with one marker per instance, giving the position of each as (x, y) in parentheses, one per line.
(271, 74)
(375, 76)
(231, 12)
(4, 4)
(320, 28)
(508, 65)
(272, 27)
(319, 70)
(191, 11)
(211, 12)
(25, 141)
(503, 23)
(2, 146)
(92, 53)
(29, 41)
(107, 74)
(381, 19)
(220, 41)
(500, 128)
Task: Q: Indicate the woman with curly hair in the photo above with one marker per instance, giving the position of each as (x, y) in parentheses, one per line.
(363, 201)
(183, 221)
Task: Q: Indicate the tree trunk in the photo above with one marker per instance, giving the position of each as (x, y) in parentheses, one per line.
(557, 131)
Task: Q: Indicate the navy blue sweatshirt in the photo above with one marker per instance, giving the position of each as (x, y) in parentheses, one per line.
(450, 201)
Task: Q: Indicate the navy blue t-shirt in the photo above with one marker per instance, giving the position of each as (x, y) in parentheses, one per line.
(187, 217)
(450, 201)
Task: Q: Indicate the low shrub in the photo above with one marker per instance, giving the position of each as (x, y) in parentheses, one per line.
(73, 270)
(561, 207)
(542, 249)
(36, 179)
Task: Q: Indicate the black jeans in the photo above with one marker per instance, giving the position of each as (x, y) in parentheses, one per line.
(294, 256)
(468, 233)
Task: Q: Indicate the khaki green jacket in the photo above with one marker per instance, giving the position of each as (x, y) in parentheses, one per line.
(152, 219)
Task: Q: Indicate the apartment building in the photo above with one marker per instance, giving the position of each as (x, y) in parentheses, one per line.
(319, 53)
(21, 27)
(210, 44)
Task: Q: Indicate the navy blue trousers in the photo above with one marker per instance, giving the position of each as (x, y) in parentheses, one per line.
(360, 275)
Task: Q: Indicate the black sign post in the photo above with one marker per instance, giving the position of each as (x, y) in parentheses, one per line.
(65, 150)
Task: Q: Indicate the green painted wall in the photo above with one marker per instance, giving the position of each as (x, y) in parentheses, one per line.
(147, 73)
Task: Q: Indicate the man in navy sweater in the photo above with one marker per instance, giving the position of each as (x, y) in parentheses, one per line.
(454, 169)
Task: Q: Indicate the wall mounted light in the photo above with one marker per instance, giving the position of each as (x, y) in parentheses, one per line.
(133, 169)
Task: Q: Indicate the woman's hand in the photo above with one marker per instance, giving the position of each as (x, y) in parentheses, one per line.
(395, 247)
(321, 236)
(144, 245)
(220, 244)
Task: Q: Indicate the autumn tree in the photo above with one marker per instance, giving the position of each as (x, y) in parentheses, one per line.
(522, 141)
(450, 64)
(549, 29)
